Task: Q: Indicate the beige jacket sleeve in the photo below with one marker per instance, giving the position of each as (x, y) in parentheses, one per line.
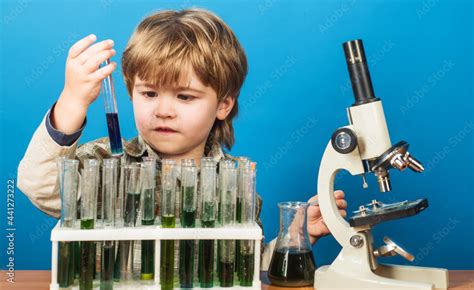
(37, 173)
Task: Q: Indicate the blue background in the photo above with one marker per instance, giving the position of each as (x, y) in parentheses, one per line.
(295, 96)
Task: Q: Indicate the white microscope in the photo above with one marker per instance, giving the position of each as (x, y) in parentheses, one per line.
(361, 147)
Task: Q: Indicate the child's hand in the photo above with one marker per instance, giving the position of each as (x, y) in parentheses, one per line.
(83, 82)
(83, 76)
(316, 226)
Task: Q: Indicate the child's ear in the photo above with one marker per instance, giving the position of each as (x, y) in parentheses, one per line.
(225, 107)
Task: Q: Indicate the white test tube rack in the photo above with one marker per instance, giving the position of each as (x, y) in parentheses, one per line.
(156, 233)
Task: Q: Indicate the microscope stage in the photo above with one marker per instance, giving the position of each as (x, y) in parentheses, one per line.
(379, 212)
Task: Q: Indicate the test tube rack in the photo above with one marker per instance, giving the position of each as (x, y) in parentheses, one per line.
(156, 233)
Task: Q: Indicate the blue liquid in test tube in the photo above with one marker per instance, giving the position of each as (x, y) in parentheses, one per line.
(112, 115)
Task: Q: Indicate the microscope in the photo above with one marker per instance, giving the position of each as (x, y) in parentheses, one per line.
(361, 147)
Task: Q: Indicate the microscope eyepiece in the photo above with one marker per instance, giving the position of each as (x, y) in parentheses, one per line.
(354, 51)
(359, 72)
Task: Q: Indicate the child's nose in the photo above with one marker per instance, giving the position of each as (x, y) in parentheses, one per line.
(165, 108)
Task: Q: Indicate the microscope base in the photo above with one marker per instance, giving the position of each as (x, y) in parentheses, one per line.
(437, 276)
(385, 277)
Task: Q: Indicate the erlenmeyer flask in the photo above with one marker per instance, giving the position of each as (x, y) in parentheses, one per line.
(292, 262)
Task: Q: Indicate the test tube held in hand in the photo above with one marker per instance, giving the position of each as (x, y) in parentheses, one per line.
(111, 114)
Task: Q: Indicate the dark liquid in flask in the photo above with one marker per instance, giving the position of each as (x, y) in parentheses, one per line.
(114, 134)
(292, 267)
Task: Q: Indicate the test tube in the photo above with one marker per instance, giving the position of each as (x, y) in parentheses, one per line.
(188, 220)
(131, 187)
(148, 190)
(132, 193)
(148, 216)
(109, 191)
(68, 182)
(109, 194)
(111, 114)
(121, 194)
(242, 164)
(208, 220)
(168, 220)
(89, 188)
(228, 192)
(119, 217)
(247, 247)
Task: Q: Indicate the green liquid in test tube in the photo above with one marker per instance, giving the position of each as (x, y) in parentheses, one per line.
(247, 247)
(89, 190)
(228, 192)
(168, 220)
(208, 220)
(242, 164)
(148, 216)
(188, 220)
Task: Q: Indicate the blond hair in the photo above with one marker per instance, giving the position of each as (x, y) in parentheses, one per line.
(166, 41)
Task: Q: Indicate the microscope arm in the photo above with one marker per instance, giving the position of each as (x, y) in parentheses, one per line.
(331, 163)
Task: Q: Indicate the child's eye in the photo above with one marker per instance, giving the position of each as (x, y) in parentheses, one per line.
(149, 94)
(185, 97)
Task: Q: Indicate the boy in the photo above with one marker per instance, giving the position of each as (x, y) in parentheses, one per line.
(183, 71)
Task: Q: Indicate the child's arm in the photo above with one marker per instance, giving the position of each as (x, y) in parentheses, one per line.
(37, 173)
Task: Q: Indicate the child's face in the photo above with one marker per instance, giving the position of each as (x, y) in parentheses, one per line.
(177, 121)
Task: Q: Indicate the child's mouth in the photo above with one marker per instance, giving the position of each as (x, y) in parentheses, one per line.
(165, 130)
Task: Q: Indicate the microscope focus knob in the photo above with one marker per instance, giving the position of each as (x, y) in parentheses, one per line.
(344, 140)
